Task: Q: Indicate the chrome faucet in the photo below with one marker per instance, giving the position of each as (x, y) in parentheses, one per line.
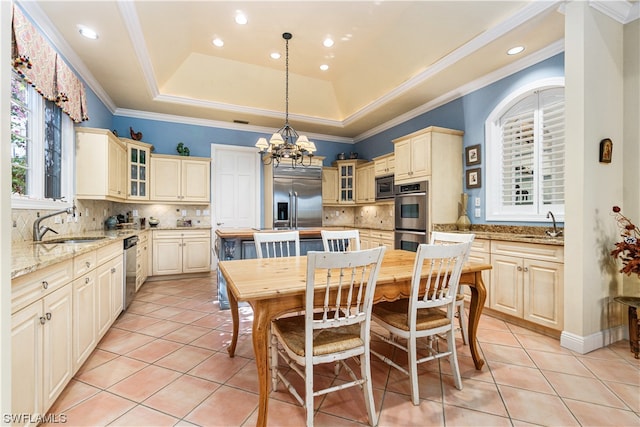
(39, 231)
(555, 232)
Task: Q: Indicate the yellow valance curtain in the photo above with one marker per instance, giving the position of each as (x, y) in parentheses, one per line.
(41, 66)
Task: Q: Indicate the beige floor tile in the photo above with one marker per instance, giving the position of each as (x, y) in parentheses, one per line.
(185, 358)
(186, 334)
(541, 342)
(98, 410)
(537, 408)
(161, 328)
(97, 358)
(583, 389)
(503, 337)
(135, 322)
(154, 350)
(629, 393)
(476, 395)
(506, 354)
(566, 363)
(460, 417)
(397, 410)
(219, 367)
(141, 416)
(612, 370)
(238, 406)
(596, 415)
(520, 377)
(107, 374)
(74, 393)
(144, 383)
(125, 342)
(181, 396)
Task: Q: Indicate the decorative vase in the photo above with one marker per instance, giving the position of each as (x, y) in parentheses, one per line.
(463, 223)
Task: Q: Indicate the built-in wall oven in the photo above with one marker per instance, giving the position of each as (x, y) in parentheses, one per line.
(411, 215)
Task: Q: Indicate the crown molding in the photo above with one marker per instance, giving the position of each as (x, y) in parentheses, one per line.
(60, 44)
(532, 59)
(123, 112)
(622, 11)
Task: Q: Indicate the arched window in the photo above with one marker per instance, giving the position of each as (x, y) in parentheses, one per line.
(526, 154)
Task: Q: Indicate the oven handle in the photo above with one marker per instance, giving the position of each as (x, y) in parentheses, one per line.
(411, 194)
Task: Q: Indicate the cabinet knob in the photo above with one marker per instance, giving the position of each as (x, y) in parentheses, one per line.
(48, 316)
(519, 268)
(45, 284)
(88, 264)
(42, 320)
(526, 269)
(86, 280)
(113, 270)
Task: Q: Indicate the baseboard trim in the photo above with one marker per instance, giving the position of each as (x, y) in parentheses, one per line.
(584, 345)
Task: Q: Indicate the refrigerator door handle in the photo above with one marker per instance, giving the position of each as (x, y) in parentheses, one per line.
(295, 218)
(291, 209)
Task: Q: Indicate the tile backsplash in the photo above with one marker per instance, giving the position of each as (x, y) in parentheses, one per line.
(92, 214)
(370, 216)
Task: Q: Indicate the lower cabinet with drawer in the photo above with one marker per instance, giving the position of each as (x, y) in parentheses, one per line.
(181, 251)
(527, 281)
(370, 238)
(41, 337)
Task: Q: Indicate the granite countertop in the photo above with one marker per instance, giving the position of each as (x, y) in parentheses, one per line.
(519, 237)
(175, 227)
(29, 256)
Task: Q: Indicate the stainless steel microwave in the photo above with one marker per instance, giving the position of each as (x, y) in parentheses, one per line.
(384, 187)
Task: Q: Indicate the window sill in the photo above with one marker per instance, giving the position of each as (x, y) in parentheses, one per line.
(18, 202)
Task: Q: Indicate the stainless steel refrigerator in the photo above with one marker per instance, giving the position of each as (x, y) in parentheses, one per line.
(297, 197)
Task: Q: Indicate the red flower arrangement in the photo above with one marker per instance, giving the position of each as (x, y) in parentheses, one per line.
(628, 250)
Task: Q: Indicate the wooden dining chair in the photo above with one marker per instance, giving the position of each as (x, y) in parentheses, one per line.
(440, 237)
(335, 327)
(277, 244)
(340, 240)
(429, 312)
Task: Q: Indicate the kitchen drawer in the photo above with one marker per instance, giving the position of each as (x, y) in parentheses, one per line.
(535, 251)
(31, 287)
(104, 254)
(84, 263)
(181, 234)
(481, 245)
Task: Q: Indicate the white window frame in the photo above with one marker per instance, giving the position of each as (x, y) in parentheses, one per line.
(35, 199)
(493, 143)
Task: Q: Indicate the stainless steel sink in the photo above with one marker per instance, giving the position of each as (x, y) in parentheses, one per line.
(74, 240)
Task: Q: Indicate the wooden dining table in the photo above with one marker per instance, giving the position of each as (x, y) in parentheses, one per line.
(274, 286)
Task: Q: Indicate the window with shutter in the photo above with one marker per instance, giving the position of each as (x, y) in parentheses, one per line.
(525, 154)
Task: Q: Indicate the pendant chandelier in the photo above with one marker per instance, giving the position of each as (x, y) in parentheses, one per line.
(285, 144)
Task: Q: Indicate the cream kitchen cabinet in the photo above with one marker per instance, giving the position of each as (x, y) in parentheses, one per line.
(347, 180)
(138, 169)
(41, 338)
(481, 253)
(329, 186)
(527, 281)
(85, 330)
(385, 165)
(110, 286)
(180, 179)
(414, 154)
(101, 165)
(433, 155)
(181, 251)
(372, 238)
(365, 183)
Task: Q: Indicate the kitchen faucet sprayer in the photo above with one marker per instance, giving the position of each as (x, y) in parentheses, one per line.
(39, 231)
(555, 232)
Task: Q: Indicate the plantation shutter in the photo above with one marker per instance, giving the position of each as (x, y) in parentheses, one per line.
(533, 148)
(552, 147)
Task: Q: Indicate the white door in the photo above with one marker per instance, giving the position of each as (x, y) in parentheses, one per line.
(236, 187)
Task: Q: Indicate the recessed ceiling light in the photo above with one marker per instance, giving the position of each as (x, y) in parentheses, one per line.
(328, 42)
(275, 55)
(218, 42)
(87, 32)
(515, 50)
(324, 67)
(241, 18)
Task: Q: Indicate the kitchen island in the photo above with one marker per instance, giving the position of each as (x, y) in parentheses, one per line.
(237, 243)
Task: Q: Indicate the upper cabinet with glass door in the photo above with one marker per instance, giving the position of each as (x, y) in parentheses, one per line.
(138, 169)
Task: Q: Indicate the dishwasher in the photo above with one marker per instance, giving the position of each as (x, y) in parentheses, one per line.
(130, 269)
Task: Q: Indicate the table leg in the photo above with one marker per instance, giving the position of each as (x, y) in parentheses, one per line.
(478, 297)
(233, 304)
(261, 325)
(633, 331)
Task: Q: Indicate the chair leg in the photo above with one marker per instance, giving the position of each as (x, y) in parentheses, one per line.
(308, 395)
(412, 355)
(365, 372)
(462, 318)
(453, 359)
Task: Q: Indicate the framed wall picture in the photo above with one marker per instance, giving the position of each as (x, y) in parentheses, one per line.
(472, 155)
(474, 178)
(606, 149)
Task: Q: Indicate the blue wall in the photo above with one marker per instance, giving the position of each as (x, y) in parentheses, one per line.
(165, 136)
(468, 114)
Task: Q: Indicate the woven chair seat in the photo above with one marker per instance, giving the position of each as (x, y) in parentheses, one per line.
(396, 314)
(325, 341)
